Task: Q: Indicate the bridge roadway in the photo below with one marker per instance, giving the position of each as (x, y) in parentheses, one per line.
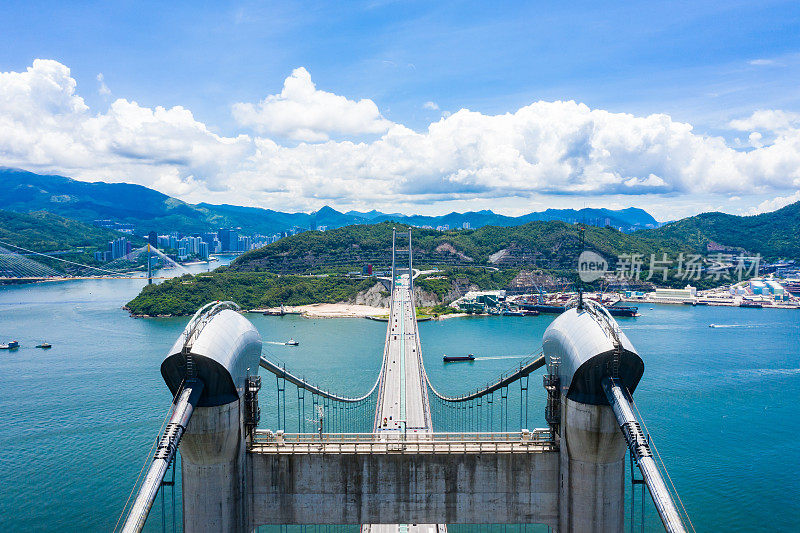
(403, 395)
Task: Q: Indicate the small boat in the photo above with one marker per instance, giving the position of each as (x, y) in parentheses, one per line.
(13, 345)
(454, 358)
(292, 342)
(44, 345)
(712, 325)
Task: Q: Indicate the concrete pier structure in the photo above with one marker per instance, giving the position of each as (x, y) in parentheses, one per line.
(592, 463)
(213, 470)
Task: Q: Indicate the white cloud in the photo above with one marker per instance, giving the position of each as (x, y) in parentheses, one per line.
(303, 112)
(545, 148)
(770, 120)
(103, 89)
(775, 203)
(762, 62)
(433, 106)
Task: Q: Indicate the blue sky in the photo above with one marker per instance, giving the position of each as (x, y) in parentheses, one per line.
(700, 63)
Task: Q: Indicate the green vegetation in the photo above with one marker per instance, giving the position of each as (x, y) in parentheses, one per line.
(488, 258)
(251, 290)
(45, 232)
(438, 285)
(552, 245)
(774, 235)
(436, 310)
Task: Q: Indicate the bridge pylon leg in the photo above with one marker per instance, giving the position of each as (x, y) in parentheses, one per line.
(592, 491)
(213, 470)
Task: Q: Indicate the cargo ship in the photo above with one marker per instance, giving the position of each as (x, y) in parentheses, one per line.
(542, 308)
(622, 310)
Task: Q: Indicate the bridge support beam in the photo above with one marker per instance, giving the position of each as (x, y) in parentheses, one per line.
(399, 488)
(213, 470)
(592, 470)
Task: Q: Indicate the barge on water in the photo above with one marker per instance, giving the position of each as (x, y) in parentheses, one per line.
(455, 358)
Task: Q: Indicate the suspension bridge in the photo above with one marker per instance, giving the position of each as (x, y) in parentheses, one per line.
(404, 457)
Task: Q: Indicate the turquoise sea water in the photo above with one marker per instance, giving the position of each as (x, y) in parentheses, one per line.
(76, 421)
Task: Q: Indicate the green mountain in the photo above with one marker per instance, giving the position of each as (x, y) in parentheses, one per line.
(150, 210)
(553, 245)
(774, 235)
(251, 290)
(45, 232)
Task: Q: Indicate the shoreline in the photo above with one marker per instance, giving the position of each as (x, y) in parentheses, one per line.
(327, 310)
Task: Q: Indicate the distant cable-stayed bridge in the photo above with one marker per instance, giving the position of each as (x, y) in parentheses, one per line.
(17, 263)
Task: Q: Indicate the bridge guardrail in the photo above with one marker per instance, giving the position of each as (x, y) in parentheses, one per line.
(536, 440)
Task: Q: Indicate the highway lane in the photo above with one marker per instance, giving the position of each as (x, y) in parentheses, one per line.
(403, 399)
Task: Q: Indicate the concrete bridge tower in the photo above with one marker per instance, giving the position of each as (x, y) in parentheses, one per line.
(582, 348)
(220, 353)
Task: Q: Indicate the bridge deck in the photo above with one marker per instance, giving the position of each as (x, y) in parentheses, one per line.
(403, 399)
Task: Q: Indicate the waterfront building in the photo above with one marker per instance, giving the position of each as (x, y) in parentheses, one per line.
(204, 251)
(687, 293)
(758, 287)
(775, 288)
(229, 238)
(244, 244)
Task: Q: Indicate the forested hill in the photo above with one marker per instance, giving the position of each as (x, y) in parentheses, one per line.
(774, 235)
(543, 244)
(46, 232)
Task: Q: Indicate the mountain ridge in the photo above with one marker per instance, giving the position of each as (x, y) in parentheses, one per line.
(86, 201)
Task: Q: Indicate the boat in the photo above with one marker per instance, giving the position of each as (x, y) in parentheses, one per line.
(44, 345)
(292, 342)
(13, 345)
(622, 310)
(454, 358)
(752, 305)
(508, 312)
(542, 308)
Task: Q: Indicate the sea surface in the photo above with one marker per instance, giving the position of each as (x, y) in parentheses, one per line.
(77, 421)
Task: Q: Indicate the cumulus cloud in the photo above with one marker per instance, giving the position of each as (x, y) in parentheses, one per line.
(556, 148)
(433, 106)
(303, 112)
(775, 203)
(770, 120)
